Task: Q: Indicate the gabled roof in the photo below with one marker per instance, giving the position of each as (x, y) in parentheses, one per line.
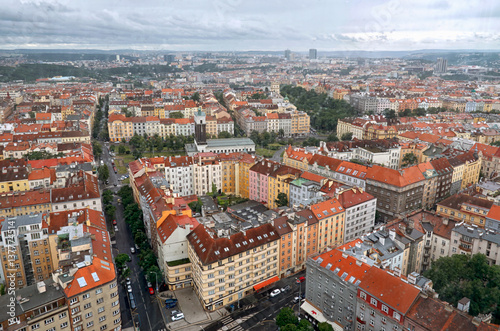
(326, 209)
(211, 248)
(399, 178)
(389, 289)
(353, 197)
(104, 270)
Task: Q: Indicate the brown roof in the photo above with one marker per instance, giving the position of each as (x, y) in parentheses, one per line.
(211, 248)
(457, 200)
(431, 314)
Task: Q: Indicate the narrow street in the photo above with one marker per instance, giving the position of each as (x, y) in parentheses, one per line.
(147, 314)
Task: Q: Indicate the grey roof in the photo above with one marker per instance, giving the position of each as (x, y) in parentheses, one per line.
(478, 233)
(31, 298)
(214, 143)
(21, 220)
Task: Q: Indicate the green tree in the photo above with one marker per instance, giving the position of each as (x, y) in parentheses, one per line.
(281, 200)
(141, 239)
(97, 148)
(289, 327)
(107, 197)
(32, 114)
(305, 325)
(176, 114)
(409, 159)
(257, 96)
(225, 134)
(332, 137)
(346, 136)
(324, 326)
(122, 149)
(126, 273)
(121, 259)
(281, 133)
(286, 316)
(389, 114)
(196, 97)
(461, 276)
(154, 274)
(110, 210)
(103, 172)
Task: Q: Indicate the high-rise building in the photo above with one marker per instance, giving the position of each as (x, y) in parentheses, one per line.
(169, 58)
(441, 65)
(288, 54)
(313, 54)
(200, 131)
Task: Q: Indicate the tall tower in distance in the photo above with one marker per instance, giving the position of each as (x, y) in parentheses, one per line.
(288, 54)
(441, 65)
(313, 54)
(200, 128)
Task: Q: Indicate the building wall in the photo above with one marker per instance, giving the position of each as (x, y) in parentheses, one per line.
(360, 219)
(98, 308)
(224, 282)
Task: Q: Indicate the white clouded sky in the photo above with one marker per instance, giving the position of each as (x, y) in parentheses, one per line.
(218, 25)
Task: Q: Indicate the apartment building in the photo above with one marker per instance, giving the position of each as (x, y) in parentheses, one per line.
(444, 178)
(172, 248)
(259, 180)
(299, 240)
(41, 306)
(179, 174)
(226, 269)
(330, 216)
(465, 208)
(397, 192)
(25, 238)
(206, 173)
(92, 294)
(360, 208)
(279, 182)
(470, 240)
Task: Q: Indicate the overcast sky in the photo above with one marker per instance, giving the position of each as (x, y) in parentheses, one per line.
(240, 25)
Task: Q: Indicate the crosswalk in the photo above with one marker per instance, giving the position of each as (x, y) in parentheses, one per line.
(230, 324)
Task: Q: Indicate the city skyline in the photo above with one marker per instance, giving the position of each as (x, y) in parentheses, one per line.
(234, 25)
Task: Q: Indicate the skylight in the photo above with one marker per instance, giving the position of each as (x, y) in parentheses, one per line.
(96, 278)
(81, 281)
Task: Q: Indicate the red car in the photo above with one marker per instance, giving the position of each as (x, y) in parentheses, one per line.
(151, 291)
(114, 222)
(301, 279)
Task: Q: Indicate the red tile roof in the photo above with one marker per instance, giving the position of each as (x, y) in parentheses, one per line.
(400, 178)
(104, 270)
(389, 289)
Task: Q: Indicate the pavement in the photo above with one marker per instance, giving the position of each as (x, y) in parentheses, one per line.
(277, 155)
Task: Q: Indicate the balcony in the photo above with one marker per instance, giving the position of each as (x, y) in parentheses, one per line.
(360, 320)
(465, 248)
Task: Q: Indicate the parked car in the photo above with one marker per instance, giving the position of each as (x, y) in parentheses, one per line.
(116, 228)
(114, 222)
(296, 299)
(128, 281)
(275, 293)
(151, 291)
(132, 250)
(170, 305)
(301, 280)
(286, 288)
(178, 316)
(149, 284)
(129, 289)
(132, 304)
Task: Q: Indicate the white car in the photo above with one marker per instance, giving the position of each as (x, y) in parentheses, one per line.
(132, 250)
(129, 289)
(275, 293)
(178, 316)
